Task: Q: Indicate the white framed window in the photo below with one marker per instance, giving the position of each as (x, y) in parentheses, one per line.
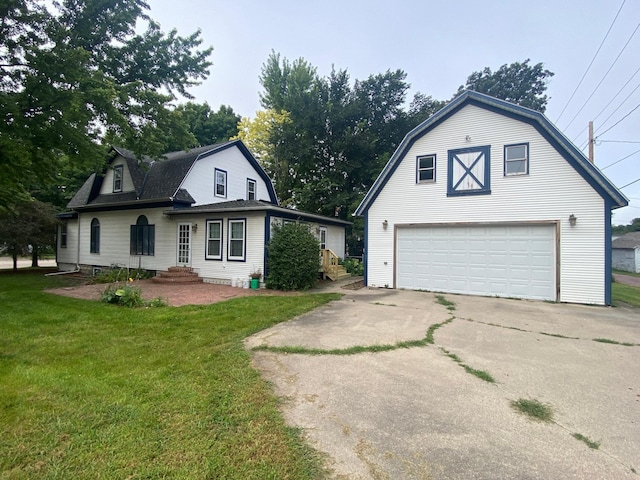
(322, 237)
(117, 178)
(63, 235)
(237, 240)
(516, 159)
(94, 244)
(251, 189)
(214, 240)
(426, 169)
(220, 183)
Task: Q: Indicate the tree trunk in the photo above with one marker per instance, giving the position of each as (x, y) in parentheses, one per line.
(34, 257)
(15, 261)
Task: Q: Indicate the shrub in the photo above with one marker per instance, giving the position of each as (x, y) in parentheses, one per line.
(125, 295)
(294, 257)
(353, 266)
(122, 275)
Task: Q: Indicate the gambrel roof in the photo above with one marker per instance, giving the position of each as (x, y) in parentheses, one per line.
(592, 174)
(159, 181)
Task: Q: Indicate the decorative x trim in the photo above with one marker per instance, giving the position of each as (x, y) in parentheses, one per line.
(467, 171)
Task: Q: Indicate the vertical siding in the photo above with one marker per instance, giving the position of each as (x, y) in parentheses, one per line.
(200, 180)
(551, 191)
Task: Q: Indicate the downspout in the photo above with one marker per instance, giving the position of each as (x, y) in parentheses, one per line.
(78, 247)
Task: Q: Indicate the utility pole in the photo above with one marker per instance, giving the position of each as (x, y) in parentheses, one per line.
(591, 142)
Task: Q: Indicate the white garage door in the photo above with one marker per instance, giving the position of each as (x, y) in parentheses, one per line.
(507, 261)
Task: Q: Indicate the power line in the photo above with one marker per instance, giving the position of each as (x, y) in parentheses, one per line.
(591, 63)
(611, 101)
(617, 141)
(618, 161)
(603, 78)
(632, 110)
(625, 186)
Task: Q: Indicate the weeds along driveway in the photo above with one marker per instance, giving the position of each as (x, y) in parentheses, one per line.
(417, 404)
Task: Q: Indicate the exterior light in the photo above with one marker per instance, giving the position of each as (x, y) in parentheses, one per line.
(572, 220)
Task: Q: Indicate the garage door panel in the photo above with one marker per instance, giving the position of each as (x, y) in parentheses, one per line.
(517, 261)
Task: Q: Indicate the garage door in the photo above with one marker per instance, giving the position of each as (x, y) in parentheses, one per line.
(507, 261)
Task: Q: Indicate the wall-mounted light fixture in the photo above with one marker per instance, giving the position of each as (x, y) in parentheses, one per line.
(194, 228)
(572, 220)
(468, 138)
(385, 224)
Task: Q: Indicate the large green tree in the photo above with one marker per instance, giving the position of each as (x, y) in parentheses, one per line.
(75, 71)
(207, 126)
(519, 83)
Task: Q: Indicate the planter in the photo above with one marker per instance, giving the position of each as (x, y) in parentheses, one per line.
(255, 283)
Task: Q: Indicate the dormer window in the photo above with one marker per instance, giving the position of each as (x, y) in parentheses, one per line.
(117, 178)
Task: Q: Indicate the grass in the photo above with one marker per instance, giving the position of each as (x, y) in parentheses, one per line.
(625, 294)
(451, 306)
(614, 342)
(590, 443)
(534, 409)
(481, 374)
(91, 390)
(623, 272)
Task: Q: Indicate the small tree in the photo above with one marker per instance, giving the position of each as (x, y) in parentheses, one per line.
(31, 223)
(294, 257)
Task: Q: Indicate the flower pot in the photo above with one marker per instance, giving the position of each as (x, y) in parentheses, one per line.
(255, 283)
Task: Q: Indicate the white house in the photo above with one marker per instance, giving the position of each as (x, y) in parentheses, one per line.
(211, 208)
(625, 252)
(489, 198)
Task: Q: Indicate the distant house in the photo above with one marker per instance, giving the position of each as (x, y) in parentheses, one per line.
(625, 252)
(489, 198)
(211, 209)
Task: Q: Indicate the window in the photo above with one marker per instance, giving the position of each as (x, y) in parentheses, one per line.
(323, 238)
(251, 189)
(214, 240)
(63, 235)
(426, 169)
(143, 237)
(117, 179)
(236, 240)
(94, 245)
(516, 159)
(221, 183)
(468, 172)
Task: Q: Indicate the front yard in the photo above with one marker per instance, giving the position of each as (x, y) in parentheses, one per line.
(91, 390)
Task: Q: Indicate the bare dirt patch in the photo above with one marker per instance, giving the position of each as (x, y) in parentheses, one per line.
(174, 294)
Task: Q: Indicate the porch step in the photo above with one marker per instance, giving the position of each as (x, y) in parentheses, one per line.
(177, 275)
(336, 272)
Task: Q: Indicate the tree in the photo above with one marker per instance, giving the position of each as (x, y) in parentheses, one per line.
(634, 226)
(263, 135)
(29, 224)
(294, 257)
(206, 126)
(518, 83)
(74, 72)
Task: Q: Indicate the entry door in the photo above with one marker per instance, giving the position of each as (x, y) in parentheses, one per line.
(184, 244)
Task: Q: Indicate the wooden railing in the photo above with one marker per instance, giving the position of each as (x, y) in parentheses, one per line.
(329, 261)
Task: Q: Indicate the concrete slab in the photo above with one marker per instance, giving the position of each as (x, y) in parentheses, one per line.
(415, 413)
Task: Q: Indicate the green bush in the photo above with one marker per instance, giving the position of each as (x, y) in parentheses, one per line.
(124, 295)
(294, 258)
(353, 266)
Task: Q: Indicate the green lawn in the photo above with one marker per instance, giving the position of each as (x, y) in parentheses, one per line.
(89, 390)
(622, 272)
(627, 294)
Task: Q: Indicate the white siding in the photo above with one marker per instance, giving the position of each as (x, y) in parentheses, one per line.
(627, 259)
(199, 182)
(115, 237)
(127, 182)
(551, 191)
(68, 257)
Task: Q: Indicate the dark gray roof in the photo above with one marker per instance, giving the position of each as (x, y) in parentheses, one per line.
(255, 205)
(629, 240)
(155, 181)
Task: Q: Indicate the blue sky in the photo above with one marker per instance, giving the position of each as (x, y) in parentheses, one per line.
(438, 44)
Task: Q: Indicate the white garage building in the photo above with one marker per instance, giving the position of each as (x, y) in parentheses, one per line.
(489, 198)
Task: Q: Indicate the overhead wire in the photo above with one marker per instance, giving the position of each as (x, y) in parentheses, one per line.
(618, 161)
(591, 63)
(631, 183)
(611, 101)
(604, 77)
(630, 112)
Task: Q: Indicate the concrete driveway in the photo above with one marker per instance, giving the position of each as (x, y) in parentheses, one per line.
(417, 413)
